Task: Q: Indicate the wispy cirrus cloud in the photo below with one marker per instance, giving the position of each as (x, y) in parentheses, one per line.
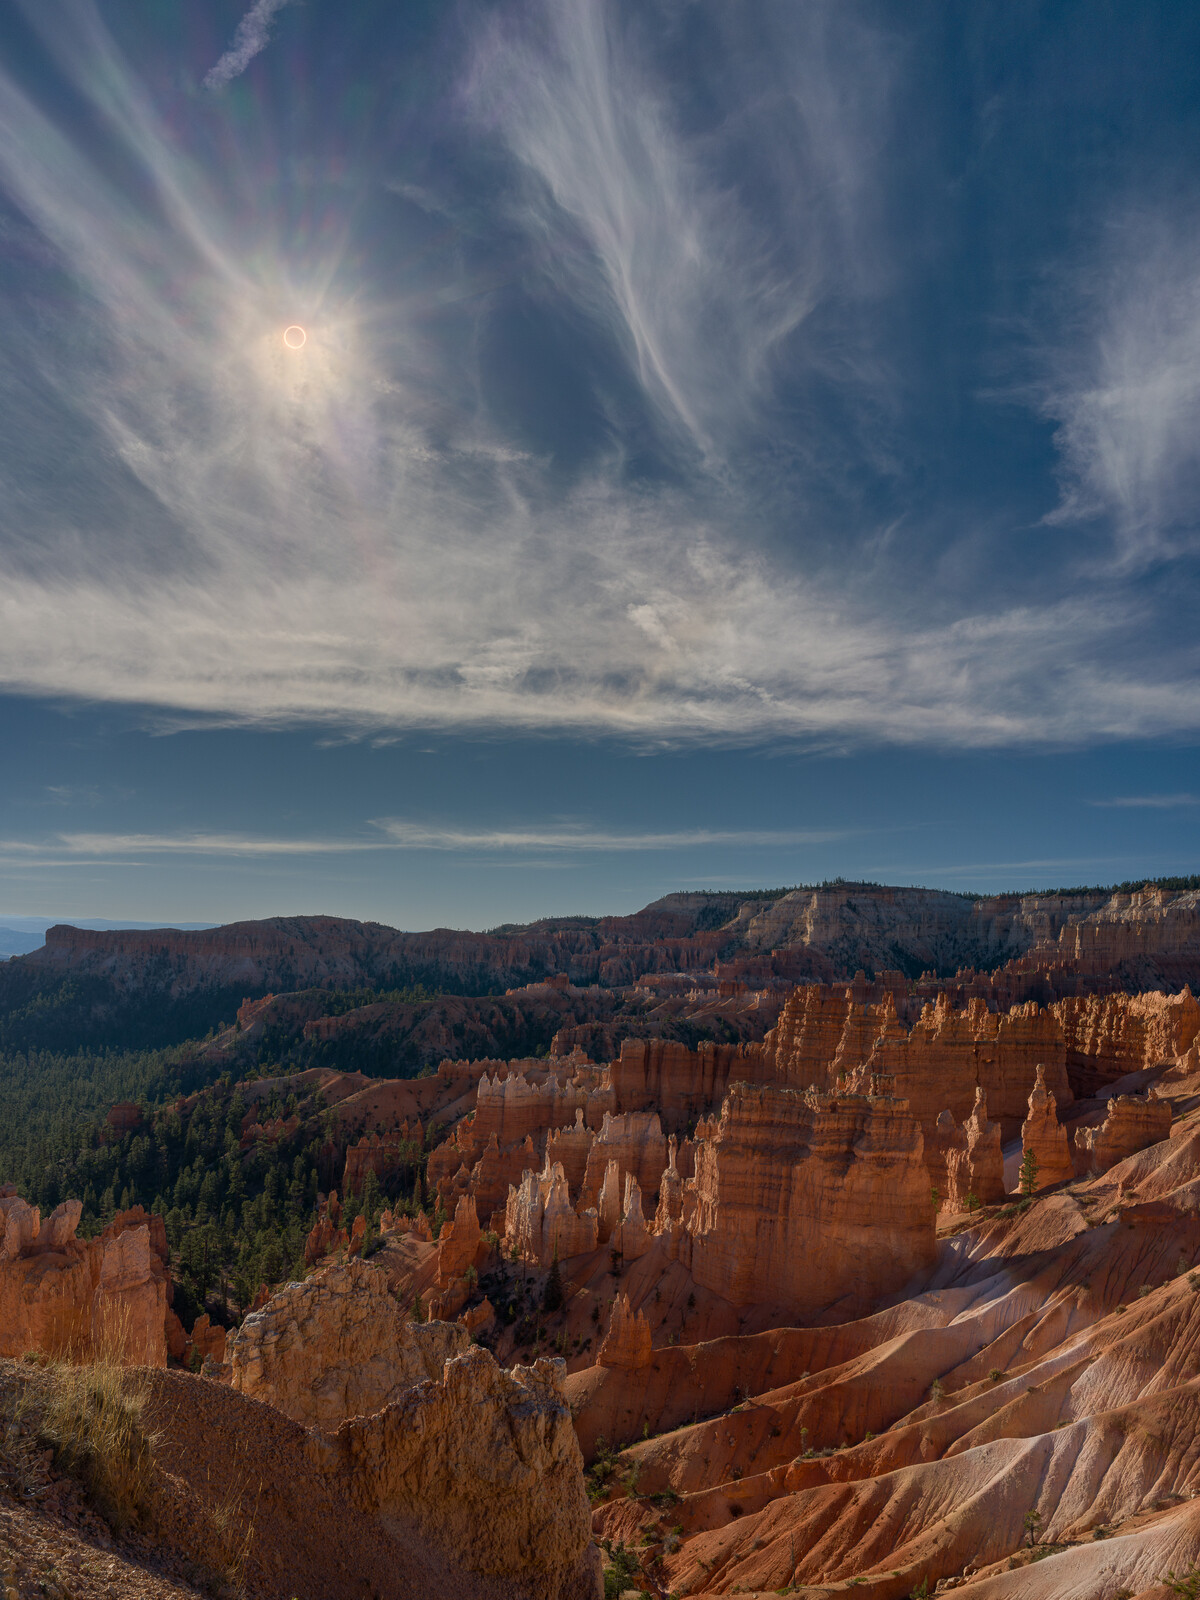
(698, 280)
(397, 834)
(354, 534)
(1124, 385)
(253, 34)
(419, 836)
(1149, 802)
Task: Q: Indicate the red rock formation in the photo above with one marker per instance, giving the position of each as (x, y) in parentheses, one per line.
(458, 1242)
(72, 1297)
(670, 1192)
(325, 1236)
(1130, 942)
(484, 1462)
(627, 1342)
(1044, 1136)
(664, 1076)
(496, 1172)
(571, 1147)
(1110, 1035)
(635, 1141)
(124, 1117)
(269, 1132)
(208, 1340)
(631, 1236)
(336, 1346)
(294, 952)
(540, 1222)
(827, 1038)
(949, 1054)
(802, 1200)
(514, 1107)
(381, 1154)
(938, 1145)
(975, 1161)
(478, 1318)
(1133, 1123)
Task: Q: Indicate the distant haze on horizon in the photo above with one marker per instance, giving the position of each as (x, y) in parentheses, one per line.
(724, 448)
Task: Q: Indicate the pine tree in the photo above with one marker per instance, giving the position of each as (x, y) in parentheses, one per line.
(553, 1296)
(1028, 1172)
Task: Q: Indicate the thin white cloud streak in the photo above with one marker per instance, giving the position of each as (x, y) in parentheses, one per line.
(1048, 863)
(397, 834)
(415, 836)
(1150, 802)
(1125, 386)
(302, 550)
(253, 34)
(635, 225)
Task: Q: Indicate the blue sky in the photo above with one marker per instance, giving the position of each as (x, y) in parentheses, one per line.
(730, 446)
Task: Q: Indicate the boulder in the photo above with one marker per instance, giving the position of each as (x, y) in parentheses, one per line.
(336, 1346)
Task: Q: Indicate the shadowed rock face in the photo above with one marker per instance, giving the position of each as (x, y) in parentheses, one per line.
(420, 1428)
(426, 1428)
(1140, 940)
(975, 1161)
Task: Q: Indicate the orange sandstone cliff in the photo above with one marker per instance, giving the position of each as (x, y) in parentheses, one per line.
(81, 1298)
(804, 1200)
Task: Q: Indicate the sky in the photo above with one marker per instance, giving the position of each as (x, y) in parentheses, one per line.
(729, 447)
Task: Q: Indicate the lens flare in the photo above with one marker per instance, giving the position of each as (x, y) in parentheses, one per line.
(294, 337)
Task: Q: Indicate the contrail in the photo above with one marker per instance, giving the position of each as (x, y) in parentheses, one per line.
(252, 34)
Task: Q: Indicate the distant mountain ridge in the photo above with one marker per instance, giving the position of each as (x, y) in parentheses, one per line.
(169, 984)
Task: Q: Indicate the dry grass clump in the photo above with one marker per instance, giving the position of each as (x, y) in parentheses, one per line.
(89, 1414)
(91, 1417)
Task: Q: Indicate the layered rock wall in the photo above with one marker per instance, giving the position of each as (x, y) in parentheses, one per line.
(680, 1084)
(635, 1141)
(513, 1107)
(803, 1200)
(1133, 1123)
(827, 1039)
(1107, 1036)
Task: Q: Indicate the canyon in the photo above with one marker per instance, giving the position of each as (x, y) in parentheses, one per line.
(890, 1284)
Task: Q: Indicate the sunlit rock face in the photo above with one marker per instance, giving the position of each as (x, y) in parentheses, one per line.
(336, 1346)
(802, 1200)
(1133, 1123)
(1044, 1142)
(106, 1296)
(485, 1463)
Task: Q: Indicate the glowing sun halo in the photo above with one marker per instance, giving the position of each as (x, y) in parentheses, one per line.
(294, 337)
